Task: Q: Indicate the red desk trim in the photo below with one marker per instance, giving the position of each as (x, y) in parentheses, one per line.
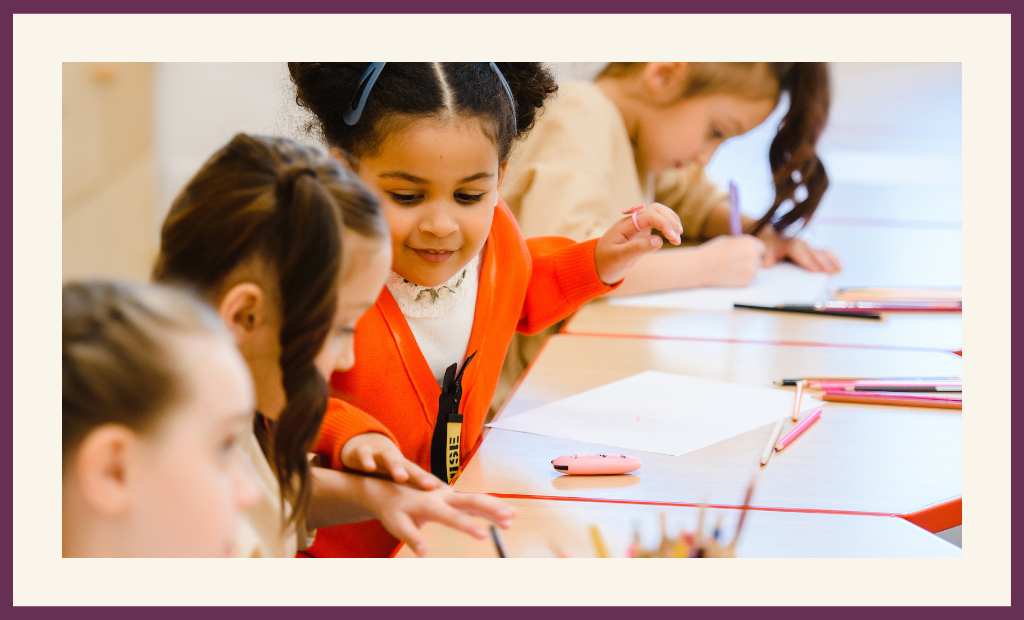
(938, 517)
(788, 343)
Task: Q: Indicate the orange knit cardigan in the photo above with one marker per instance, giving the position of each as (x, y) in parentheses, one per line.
(525, 285)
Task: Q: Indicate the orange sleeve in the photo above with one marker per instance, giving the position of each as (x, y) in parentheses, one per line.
(341, 423)
(563, 278)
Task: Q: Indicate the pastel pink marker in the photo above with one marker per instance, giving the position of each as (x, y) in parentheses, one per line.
(596, 464)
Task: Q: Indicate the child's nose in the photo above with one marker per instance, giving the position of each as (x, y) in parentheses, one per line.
(438, 221)
(705, 155)
(246, 491)
(346, 359)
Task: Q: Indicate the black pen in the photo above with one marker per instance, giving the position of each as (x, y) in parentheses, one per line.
(810, 309)
(497, 542)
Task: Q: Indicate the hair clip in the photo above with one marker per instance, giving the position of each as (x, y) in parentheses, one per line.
(511, 99)
(355, 109)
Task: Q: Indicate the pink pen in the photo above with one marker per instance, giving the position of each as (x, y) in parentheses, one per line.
(596, 464)
(799, 428)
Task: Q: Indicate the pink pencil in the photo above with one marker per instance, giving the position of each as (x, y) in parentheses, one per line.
(799, 428)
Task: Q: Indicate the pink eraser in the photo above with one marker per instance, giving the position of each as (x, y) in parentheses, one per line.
(596, 464)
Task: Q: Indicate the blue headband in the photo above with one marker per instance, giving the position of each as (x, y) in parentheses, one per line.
(511, 99)
(369, 78)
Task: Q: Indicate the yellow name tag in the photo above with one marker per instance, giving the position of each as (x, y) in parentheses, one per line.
(454, 437)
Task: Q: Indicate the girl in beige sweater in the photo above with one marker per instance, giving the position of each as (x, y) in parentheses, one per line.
(643, 132)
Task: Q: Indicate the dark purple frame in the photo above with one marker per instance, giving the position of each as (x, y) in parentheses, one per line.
(457, 6)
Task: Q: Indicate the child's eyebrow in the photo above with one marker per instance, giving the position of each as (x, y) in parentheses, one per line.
(477, 177)
(405, 176)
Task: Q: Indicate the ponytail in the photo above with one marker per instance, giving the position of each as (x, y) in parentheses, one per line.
(794, 162)
(282, 205)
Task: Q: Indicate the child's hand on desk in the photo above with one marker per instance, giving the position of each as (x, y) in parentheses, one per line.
(730, 261)
(798, 251)
(630, 238)
(403, 510)
(374, 453)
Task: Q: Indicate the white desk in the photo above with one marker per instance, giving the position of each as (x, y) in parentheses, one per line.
(541, 525)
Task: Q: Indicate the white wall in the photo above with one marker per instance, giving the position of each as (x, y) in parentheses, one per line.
(200, 106)
(894, 123)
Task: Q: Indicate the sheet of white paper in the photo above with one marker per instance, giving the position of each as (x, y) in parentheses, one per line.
(658, 412)
(782, 283)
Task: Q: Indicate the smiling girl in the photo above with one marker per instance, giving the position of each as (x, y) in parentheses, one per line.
(432, 140)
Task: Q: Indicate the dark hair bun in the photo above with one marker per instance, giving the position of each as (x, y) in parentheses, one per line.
(419, 89)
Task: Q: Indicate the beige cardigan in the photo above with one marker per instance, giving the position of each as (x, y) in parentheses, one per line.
(573, 176)
(259, 534)
(576, 172)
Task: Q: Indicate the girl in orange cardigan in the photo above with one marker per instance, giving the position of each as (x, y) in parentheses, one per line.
(432, 140)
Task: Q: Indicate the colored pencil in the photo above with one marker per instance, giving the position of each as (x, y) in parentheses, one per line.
(814, 382)
(595, 534)
(783, 308)
(797, 399)
(893, 385)
(770, 446)
(743, 513)
(497, 542)
(848, 397)
(735, 222)
(943, 396)
(904, 388)
(798, 429)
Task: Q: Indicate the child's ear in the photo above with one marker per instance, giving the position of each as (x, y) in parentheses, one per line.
(665, 81)
(343, 157)
(243, 309)
(501, 172)
(103, 469)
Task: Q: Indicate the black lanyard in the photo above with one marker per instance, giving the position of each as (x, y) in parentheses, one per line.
(445, 444)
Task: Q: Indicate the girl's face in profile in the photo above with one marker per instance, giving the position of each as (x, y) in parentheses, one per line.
(188, 479)
(438, 182)
(689, 131)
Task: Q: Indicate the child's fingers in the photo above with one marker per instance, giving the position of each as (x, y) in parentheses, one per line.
(403, 528)
(484, 506)
(803, 256)
(661, 218)
(421, 478)
(366, 459)
(456, 519)
(394, 462)
(833, 263)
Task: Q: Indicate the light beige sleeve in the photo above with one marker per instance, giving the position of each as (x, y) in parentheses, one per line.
(563, 179)
(692, 194)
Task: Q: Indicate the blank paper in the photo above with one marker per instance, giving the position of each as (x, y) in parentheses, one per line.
(779, 284)
(658, 412)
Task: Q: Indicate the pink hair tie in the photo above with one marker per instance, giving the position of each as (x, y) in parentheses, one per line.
(632, 212)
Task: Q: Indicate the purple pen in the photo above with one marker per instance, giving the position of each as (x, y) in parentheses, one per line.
(735, 223)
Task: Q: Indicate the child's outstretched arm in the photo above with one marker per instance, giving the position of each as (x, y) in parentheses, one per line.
(340, 497)
(352, 439)
(723, 261)
(631, 238)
